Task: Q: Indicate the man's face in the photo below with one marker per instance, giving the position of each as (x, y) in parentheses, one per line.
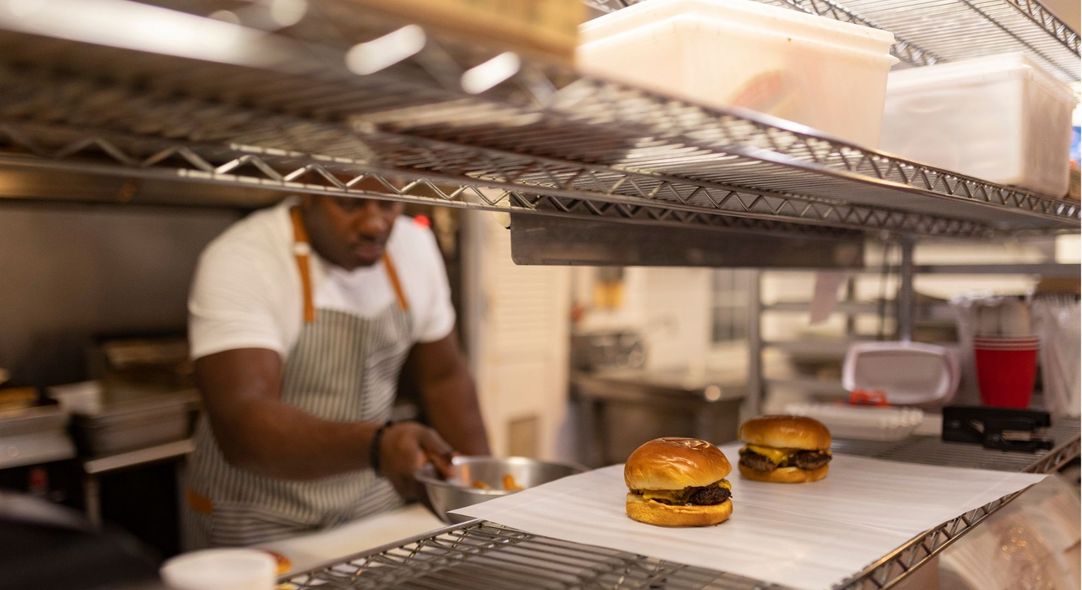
(349, 232)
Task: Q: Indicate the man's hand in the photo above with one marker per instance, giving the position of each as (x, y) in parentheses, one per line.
(405, 447)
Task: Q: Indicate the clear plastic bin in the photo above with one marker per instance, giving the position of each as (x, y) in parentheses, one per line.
(1000, 118)
(816, 71)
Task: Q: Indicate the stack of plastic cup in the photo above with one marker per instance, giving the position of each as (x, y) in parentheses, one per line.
(1006, 369)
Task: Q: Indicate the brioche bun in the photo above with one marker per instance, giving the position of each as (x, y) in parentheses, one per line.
(675, 464)
(786, 432)
(660, 514)
(785, 474)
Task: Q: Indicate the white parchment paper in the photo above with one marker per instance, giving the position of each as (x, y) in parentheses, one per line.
(808, 536)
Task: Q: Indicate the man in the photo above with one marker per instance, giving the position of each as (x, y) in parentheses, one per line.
(301, 318)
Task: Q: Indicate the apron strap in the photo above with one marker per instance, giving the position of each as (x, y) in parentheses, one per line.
(301, 252)
(392, 274)
(198, 502)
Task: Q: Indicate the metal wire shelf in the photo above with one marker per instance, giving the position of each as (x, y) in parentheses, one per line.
(286, 114)
(936, 31)
(484, 555)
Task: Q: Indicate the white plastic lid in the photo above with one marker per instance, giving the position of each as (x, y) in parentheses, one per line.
(791, 22)
(907, 373)
(979, 69)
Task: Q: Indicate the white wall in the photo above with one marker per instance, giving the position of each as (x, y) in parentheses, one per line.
(517, 322)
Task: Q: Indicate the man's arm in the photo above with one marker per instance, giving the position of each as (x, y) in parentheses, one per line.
(256, 431)
(449, 394)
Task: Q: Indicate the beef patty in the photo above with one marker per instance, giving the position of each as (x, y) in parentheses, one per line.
(696, 495)
(809, 459)
(753, 460)
(801, 459)
(709, 495)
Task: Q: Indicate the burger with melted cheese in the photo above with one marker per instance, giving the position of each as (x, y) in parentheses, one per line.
(678, 482)
(784, 449)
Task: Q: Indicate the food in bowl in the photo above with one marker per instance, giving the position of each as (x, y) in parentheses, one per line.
(475, 479)
(678, 482)
(507, 483)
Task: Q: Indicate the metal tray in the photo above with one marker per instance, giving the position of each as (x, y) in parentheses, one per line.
(32, 420)
(135, 424)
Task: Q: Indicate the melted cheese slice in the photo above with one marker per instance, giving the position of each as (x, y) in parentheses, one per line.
(677, 496)
(775, 455)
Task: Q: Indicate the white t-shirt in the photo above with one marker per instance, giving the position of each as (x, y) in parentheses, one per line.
(247, 290)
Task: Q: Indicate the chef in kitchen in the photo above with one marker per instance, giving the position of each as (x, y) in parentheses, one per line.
(301, 318)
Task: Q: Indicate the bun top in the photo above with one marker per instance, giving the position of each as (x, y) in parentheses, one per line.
(674, 464)
(786, 432)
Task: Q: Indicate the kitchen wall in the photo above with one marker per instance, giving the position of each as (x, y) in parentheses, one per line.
(670, 306)
(69, 272)
(517, 325)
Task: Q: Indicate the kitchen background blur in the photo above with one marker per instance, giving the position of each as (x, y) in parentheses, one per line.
(572, 363)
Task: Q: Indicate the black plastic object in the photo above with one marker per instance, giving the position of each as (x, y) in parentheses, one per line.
(47, 547)
(997, 428)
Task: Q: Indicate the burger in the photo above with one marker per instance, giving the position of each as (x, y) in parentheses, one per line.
(678, 482)
(784, 449)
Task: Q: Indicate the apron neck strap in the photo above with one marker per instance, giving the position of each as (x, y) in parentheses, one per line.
(392, 274)
(301, 254)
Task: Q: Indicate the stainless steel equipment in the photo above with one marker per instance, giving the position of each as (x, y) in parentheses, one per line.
(145, 421)
(619, 404)
(477, 479)
(537, 239)
(34, 435)
(607, 350)
(619, 409)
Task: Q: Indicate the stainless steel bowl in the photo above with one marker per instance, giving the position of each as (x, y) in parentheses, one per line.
(458, 491)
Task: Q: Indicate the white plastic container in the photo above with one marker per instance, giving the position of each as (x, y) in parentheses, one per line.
(862, 423)
(1000, 118)
(816, 71)
(907, 373)
(235, 569)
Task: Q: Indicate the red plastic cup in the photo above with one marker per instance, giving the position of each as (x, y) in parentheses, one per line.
(1006, 372)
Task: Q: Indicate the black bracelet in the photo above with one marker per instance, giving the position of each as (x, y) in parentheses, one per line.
(373, 449)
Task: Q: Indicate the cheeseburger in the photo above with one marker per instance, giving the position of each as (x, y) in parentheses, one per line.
(678, 482)
(784, 449)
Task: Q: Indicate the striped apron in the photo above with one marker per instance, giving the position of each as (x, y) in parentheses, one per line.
(343, 368)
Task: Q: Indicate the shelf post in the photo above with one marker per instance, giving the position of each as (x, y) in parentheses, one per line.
(905, 291)
(753, 400)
